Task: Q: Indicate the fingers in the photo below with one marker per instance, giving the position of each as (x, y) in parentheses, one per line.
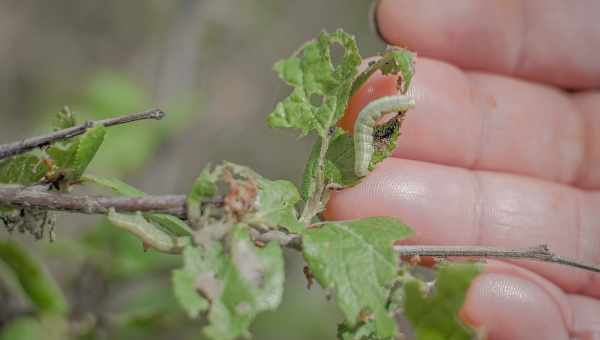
(488, 122)
(550, 41)
(508, 302)
(448, 205)
(589, 105)
(586, 317)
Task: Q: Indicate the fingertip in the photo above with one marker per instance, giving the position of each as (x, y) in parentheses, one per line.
(502, 306)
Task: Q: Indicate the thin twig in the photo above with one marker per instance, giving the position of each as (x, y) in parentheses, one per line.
(12, 149)
(36, 197)
(538, 253)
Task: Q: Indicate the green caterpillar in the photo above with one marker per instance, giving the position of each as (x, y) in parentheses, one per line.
(364, 124)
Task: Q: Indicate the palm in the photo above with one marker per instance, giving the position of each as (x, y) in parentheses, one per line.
(496, 159)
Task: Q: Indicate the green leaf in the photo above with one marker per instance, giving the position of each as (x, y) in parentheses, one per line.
(436, 317)
(205, 187)
(275, 205)
(315, 78)
(114, 184)
(45, 326)
(73, 156)
(356, 259)
(235, 285)
(252, 283)
(172, 224)
(24, 328)
(309, 184)
(362, 331)
(89, 143)
(23, 169)
(393, 61)
(198, 263)
(64, 119)
(339, 164)
(151, 235)
(120, 255)
(39, 286)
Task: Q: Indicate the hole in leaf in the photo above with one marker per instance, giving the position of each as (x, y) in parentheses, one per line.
(316, 100)
(337, 54)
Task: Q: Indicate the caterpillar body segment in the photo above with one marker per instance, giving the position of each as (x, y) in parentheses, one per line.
(365, 123)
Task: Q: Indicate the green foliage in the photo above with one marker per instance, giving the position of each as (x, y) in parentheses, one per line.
(435, 317)
(39, 286)
(73, 156)
(204, 187)
(275, 205)
(314, 76)
(207, 261)
(271, 204)
(339, 164)
(237, 284)
(394, 60)
(22, 169)
(120, 255)
(356, 260)
(167, 223)
(151, 235)
(229, 274)
(362, 331)
(50, 327)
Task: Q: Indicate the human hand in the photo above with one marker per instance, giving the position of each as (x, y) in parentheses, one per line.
(498, 153)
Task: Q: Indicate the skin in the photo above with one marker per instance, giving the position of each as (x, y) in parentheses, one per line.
(498, 153)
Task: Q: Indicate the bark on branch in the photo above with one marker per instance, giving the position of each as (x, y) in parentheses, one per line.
(23, 197)
(33, 197)
(12, 149)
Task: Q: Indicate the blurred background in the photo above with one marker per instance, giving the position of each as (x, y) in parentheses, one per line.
(208, 64)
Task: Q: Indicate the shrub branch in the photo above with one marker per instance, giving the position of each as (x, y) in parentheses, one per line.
(36, 197)
(25, 145)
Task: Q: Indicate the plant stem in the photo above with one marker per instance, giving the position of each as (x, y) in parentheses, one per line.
(315, 203)
(538, 253)
(16, 148)
(23, 197)
(36, 197)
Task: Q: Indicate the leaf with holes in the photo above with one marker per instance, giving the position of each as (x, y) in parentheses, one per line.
(313, 75)
(357, 261)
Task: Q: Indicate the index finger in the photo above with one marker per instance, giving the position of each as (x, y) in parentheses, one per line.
(550, 41)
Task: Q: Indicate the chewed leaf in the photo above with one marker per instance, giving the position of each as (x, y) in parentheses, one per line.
(23, 169)
(393, 61)
(73, 156)
(233, 285)
(436, 316)
(196, 261)
(252, 283)
(312, 74)
(356, 259)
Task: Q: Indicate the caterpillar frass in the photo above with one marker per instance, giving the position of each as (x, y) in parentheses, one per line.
(364, 124)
